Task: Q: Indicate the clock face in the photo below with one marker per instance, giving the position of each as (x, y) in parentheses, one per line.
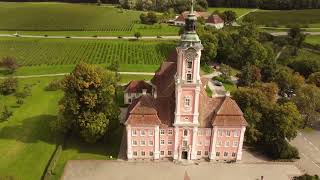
(190, 54)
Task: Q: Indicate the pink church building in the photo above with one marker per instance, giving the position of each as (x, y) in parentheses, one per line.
(178, 120)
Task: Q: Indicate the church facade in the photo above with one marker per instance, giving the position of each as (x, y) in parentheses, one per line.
(178, 120)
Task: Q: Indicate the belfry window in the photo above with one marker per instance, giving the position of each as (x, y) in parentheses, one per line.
(189, 77)
(185, 132)
(189, 64)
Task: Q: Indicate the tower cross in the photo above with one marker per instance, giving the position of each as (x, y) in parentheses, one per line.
(191, 12)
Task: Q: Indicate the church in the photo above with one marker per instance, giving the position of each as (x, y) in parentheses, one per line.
(176, 119)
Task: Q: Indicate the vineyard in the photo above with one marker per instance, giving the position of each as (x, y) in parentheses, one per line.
(31, 52)
(64, 17)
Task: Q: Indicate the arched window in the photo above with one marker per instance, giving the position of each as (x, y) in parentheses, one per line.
(185, 132)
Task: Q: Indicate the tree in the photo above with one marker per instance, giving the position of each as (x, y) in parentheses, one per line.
(249, 75)
(9, 63)
(149, 18)
(314, 78)
(137, 35)
(225, 72)
(229, 17)
(88, 105)
(9, 86)
(209, 42)
(296, 38)
(288, 81)
(308, 103)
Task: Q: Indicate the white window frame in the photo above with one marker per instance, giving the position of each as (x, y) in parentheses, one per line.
(162, 153)
(150, 132)
(233, 154)
(170, 142)
(170, 132)
(142, 132)
(187, 102)
(134, 134)
(218, 154)
(228, 133)
(227, 144)
(220, 133)
(189, 80)
(236, 133)
(134, 144)
(162, 142)
(143, 153)
(143, 144)
(162, 132)
(169, 153)
(219, 144)
(151, 144)
(200, 143)
(225, 154)
(206, 153)
(199, 153)
(151, 153)
(235, 143)
(129, 94)
(135, 153)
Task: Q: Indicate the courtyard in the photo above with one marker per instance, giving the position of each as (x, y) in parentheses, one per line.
(116, 170)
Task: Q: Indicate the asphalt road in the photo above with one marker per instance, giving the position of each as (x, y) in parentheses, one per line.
(308, 144)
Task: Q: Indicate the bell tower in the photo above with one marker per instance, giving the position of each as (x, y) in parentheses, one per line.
(188, 74)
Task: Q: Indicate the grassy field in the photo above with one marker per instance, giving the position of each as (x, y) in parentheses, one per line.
(238, 11)
(32, 52)
(26, 143)
(304, 18)
(313, 39)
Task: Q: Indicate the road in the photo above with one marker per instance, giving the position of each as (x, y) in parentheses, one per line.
(308, 144)
(286, 33)
(62, 74)
(90, 37)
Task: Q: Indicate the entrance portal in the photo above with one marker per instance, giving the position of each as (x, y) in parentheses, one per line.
(184, 155)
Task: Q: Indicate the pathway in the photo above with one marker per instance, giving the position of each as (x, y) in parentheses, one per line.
(63, 74)
(90, 37)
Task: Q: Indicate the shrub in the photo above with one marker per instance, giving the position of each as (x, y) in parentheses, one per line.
(9, 63)
(54, 85)
(8, 86)
(21, 95)
(19, 101)
(5, 114)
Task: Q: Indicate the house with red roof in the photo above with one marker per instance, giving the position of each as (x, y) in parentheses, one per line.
(178, 120)
(210, 20)
(134, 89)
(215, 21)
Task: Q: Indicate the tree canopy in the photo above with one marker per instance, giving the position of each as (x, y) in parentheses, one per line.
(88, 105)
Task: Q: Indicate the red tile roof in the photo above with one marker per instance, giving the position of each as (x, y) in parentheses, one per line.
(184, 15)
(217, 111)
(137, 87)
(214, 19)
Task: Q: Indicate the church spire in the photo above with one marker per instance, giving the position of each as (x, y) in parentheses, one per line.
(190, 34)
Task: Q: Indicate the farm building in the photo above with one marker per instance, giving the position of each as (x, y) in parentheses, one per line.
(210, 20)
(179, 120)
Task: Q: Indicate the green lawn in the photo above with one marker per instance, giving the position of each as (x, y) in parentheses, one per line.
(304, 18)
(26, 143)
(31, 52)
(313, 39)
(238, 11)
(303, 54)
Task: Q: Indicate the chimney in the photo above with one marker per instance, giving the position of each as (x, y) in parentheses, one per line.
(144, 91)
